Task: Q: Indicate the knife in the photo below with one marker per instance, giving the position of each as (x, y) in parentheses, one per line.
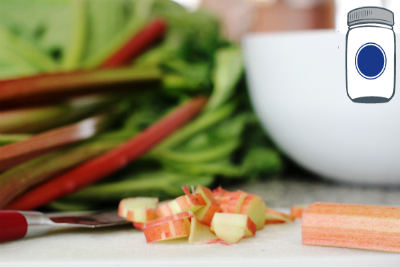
(21, 224)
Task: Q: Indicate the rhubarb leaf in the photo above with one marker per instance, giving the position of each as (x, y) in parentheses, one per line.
(43, 24)
(140, 14)
(105, 19)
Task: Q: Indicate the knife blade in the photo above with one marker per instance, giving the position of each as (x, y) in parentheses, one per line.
(22, 224)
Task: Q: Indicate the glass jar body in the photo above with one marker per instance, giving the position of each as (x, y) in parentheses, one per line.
(370, 63)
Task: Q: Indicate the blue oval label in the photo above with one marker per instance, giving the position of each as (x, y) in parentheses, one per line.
(370, 61)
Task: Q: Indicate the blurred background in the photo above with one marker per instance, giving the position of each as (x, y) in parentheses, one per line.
(80, 78)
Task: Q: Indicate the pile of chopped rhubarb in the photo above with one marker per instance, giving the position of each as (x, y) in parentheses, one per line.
(201, 216)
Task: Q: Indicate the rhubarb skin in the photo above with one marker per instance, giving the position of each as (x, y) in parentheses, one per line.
(168, 228)
(254, 207)
(352, 226)
(187, 202)
(206, 213)
(232, 202)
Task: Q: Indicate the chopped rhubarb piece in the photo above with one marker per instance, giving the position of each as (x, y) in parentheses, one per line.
(15, 153)
(206, 213)
(297, 211)
(101, 166)
(168, 228)
(232, 202)
(272, 216)
(254, 207)
(163, 210)
(141, 216)
(58, 85)
(200, 233)
(186, 203)
(138, 209)
(182, 215)
(232, 227)
(352, 226)
(219, 194)
(137, 44)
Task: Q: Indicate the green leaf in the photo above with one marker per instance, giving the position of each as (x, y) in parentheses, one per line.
(105, 19)
(261, 160)
(141, 13)
(40, 30)
(227, 73)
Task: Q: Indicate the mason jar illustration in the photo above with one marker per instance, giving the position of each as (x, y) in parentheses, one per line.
(370, 55)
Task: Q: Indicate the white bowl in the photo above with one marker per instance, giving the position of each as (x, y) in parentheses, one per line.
(298, 88)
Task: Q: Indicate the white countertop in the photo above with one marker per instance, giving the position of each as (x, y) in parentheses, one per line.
(275, 245)
(278, 245)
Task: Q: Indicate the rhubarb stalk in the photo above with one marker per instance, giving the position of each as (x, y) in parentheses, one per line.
(111, 161)
(37, 119)
(15, 153)
(17, 180)
(31, 88)
(136, 44)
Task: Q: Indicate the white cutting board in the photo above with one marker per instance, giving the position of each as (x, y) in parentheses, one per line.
(275, 245)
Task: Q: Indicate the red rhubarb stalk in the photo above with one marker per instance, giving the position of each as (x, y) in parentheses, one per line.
(31, 88)
(104, 165)
(137, 44)
(15, 153)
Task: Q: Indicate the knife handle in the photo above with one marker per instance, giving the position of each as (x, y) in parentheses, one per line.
(13, 225)
(19, 224)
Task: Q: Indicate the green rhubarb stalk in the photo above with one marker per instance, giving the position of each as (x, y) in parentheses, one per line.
(30, 120)
(153, 183)
(203, 122)
(17, 180)
(28, 51)
(76, 47)
(258, 160)
(11, 138)
(214, 152)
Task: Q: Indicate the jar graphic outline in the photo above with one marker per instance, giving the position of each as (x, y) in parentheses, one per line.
(370, 55)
